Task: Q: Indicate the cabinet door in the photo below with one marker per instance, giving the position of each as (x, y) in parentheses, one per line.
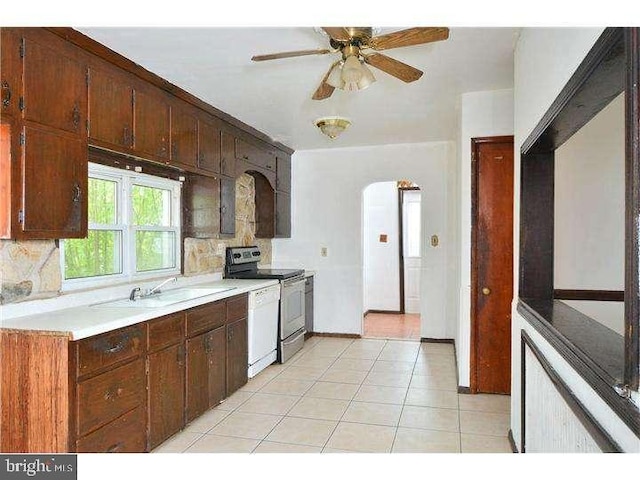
(9, 72)
(165, 393)
(55, 88)
(201, 206)
(283, 173)
(197, 377)
(184, 137)
(110, 109)
(54, 185)
(228, 154)
(217, 356)
(308, 306)
(209, 147)
(237, 355)
(151, 128)
(206, 367)
(227, 206)
(283, 215)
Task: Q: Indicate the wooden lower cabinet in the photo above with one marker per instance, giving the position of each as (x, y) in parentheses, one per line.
(206, 366)
(237, 355)
(165, 393)
(126, 390)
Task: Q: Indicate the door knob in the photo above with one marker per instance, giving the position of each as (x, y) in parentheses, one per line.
(486, 290)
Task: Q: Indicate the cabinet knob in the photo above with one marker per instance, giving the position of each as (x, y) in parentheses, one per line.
(486, 291)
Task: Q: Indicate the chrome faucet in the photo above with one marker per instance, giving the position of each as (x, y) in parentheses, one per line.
(157, 288)
(137, 294)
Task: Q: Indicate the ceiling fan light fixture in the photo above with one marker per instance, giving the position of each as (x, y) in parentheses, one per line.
(332, 126)
(335, 77)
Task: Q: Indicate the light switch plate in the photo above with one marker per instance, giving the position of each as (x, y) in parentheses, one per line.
(323, 251)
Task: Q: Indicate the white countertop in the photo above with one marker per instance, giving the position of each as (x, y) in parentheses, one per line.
(85, 321)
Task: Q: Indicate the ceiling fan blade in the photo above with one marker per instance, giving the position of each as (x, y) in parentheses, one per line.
(337, 33)
(325, 90)
(400, 70)
(298, 53)
(410, 36)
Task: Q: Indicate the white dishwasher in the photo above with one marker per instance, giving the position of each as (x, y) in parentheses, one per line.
(264, 307)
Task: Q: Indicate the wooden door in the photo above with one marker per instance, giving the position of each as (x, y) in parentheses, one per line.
(410, 203)
(228, 154)
(184, 136)
(110, 109)
(492, 264)
(152, 121)
(237, 355)
(227, 206)
(209, 147)
(166, 393)
(54, 185)
(55, 89)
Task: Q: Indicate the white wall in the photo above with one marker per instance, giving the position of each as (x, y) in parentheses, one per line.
(482, 114)
(589, 213)
(381, 259)
(326, 196)
(545, 58)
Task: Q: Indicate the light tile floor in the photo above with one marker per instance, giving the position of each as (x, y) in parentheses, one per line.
(346, 395)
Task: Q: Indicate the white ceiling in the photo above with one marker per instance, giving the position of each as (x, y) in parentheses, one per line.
(214, 64)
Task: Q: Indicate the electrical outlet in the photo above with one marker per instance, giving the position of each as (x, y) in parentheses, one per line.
(323, 251)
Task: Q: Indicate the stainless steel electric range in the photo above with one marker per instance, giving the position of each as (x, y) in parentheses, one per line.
(242, 263)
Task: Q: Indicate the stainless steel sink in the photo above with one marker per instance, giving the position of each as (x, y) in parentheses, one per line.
(165, 299)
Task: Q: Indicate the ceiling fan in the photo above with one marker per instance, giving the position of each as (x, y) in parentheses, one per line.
(354, 43)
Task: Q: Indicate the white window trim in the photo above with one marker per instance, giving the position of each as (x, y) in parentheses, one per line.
(125, 180)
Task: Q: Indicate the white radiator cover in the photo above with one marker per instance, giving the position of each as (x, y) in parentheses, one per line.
(550, 424)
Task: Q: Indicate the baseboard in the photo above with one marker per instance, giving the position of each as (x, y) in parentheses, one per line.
(308, 335)
(512, 442)
(337, 335)
(437, 340)
(388, 312)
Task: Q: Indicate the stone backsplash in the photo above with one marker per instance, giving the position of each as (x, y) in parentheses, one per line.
(30, 270)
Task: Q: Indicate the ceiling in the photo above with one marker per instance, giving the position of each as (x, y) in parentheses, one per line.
(214, 64)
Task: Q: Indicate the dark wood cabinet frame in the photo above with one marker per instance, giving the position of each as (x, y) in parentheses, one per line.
(609, 362)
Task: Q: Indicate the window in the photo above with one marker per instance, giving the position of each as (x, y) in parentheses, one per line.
(134, 229)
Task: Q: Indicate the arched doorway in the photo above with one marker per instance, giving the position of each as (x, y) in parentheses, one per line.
(391, 260)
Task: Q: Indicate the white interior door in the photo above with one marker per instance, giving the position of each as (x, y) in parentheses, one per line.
(412, 260)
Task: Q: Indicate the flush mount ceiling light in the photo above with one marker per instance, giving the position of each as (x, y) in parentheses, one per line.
(332, 126)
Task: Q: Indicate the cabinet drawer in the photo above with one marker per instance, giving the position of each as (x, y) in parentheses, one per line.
(205, 317)
(96, 353)
(237, 308)
(255, 155)
(166, 331)
(105, 397)
(124, 435)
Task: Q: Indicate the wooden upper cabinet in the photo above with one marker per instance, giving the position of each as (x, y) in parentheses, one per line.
(184, 136)
(283, 215)
(10, 87)
(152, 124)
(110, 109)
(209, 146)
(54, 185)
(255, 155)
(227, 206)
(55, 85)
(201, 206)
(228, 154)
(283, 173)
